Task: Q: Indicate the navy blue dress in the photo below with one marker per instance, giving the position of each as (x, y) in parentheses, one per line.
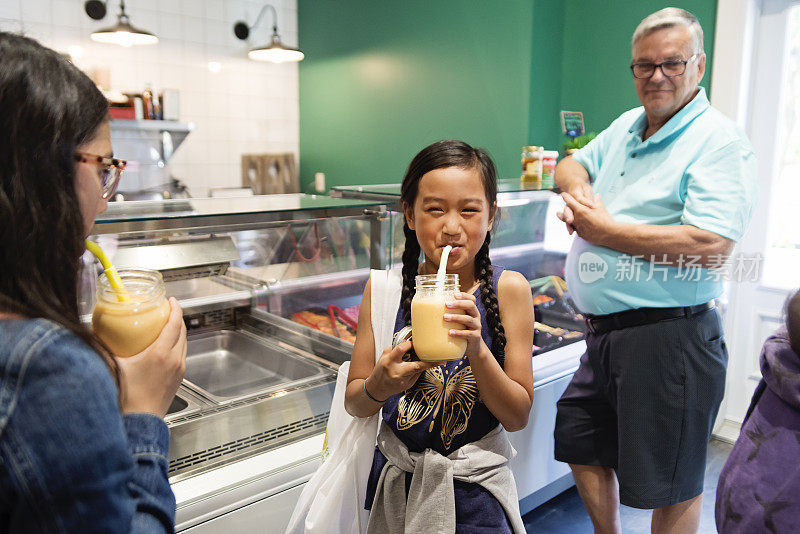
(443, 411)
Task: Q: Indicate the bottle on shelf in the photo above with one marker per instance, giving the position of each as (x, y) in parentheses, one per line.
(147, 101)
(157, 113)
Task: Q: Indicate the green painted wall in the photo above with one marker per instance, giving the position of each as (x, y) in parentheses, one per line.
(546, 73)
(596, 77)
(382, 79)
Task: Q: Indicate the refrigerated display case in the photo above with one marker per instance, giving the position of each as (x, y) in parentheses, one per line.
(528, 238)
(248, 421)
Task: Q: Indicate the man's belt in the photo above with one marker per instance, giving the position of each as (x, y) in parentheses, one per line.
(600, 324)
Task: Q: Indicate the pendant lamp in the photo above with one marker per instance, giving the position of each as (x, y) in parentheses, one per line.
(123, 33)
(275, 51)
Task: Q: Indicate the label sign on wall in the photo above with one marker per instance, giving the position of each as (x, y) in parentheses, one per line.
(572, 123)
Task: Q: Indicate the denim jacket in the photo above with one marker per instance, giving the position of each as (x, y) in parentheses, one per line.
(69, 460)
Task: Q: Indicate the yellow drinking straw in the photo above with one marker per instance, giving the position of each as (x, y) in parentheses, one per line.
(111, 272)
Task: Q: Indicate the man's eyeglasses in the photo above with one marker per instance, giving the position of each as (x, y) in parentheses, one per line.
(110, 173)
(670, 69)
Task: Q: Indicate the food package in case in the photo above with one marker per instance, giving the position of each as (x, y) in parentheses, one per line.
(334, 321)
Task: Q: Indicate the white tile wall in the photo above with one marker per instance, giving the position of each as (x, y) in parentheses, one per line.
(246, 107)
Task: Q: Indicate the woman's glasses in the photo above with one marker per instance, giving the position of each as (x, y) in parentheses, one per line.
(111, 170)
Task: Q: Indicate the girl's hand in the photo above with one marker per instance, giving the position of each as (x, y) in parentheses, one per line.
(471, 319)
(150, 379)
(391, 374)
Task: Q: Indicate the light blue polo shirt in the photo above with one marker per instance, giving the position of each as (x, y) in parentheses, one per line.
(698, 169)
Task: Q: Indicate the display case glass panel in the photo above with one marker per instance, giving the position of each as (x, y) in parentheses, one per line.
(526, 237)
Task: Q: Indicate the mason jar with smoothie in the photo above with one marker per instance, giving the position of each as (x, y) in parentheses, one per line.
(430, 333)
(128, 326)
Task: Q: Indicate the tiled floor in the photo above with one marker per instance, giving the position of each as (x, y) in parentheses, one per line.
(565, 514)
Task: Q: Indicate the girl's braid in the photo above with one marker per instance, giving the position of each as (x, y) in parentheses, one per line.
(410, 267)
(485, 274)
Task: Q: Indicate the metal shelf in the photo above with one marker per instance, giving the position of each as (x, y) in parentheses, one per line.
(140, 124)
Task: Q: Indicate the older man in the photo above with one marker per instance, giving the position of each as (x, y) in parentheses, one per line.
(656, 199)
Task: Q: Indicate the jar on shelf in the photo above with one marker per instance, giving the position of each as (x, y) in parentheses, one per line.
(532, 167)
(549, 160)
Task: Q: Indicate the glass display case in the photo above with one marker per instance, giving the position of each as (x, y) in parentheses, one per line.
(242, 270)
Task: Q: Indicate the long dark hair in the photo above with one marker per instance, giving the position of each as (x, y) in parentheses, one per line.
(47, 109)
(453, 153)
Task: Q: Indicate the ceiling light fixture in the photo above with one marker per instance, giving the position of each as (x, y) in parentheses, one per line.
(123, 33)
(275, 51)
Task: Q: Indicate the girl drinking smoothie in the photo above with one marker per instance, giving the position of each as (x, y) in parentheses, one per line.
(83, 444)
(441, 460)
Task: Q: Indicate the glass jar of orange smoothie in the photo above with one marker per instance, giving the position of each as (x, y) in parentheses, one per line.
(127, 328)
(430, 333)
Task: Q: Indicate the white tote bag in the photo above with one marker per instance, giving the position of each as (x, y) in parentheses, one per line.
(332, 501)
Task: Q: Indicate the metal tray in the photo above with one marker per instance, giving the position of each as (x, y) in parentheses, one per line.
(227, 365)
(177, 405)
(184, 403)
(284, 395)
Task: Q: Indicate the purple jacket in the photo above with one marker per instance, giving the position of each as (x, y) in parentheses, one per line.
(759, 487)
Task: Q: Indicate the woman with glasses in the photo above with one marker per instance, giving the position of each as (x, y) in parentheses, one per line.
(83, 444)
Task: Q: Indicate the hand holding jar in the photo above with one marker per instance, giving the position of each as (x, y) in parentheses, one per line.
(150, 378)
(463, 311)
(391, 374)
(146, 334)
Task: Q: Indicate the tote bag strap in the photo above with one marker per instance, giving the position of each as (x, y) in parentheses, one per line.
(385, 289)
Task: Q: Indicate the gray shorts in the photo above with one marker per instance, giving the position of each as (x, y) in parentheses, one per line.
(643, 402)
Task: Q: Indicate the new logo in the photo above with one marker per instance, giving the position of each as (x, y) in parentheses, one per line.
(591, 267)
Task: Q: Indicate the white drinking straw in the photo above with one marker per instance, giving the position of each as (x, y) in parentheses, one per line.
(440, 287)
(442, 269)
(443, 263)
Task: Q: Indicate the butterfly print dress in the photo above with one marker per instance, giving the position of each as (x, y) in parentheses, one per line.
(443, 411)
